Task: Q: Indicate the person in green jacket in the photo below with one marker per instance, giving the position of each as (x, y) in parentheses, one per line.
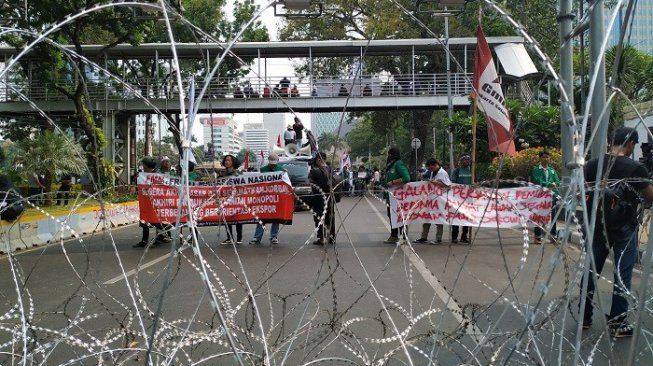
(544, 175)
(462, 175)
(396, 175)
(273, 166)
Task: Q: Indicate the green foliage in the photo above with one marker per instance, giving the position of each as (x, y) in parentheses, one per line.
(108, 173)
(536, 125)
(329, 141)
(499, 168)
(50, 151)
(521, 165)
(51, 154)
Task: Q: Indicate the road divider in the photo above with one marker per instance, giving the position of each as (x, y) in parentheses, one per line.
(43, 228)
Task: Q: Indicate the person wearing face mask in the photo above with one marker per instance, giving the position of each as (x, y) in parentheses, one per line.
(396, 175)
(166, 166)
(231, 165)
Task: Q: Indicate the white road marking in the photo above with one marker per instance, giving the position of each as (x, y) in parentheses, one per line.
(430, 278)
(145, 265)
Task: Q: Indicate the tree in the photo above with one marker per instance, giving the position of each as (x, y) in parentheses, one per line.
(329, 140)
(50, 154)
(110, 26)
(370, 19)
(49, 65)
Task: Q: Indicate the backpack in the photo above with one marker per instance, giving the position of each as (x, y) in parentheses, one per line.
(331, 182)
(336, 184)
(614, 212)
(11, 206)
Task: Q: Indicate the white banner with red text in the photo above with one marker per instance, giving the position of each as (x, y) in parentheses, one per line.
(251, 197)
(462, 205)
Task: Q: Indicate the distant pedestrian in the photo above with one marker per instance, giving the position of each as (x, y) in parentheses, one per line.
(343, 92)
(545, 175)
(298, 127)
(397, 174)
(231, 165)
(64, 189)
(367, 90)
(149, 166)
(462, 175)
(294, 92)
(289, 135)
(438, 176)
(36, 187)
(285, 83)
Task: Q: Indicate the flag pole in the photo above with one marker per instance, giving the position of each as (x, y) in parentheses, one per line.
(474, 121)
(475, 114)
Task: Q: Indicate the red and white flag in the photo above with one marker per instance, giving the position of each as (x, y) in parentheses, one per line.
(489, 96)
(345, 163)
(262, 156)
(279, 141)
(246, 163)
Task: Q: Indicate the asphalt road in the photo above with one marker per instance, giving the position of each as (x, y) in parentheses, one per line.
(98, 300)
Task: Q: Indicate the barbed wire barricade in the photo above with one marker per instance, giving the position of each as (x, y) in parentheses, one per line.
(501, 300)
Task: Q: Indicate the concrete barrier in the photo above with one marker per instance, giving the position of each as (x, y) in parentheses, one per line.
(43, 228)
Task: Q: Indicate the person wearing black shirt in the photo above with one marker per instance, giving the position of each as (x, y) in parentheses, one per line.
(321, 176)
(622, 239)
(298, 126)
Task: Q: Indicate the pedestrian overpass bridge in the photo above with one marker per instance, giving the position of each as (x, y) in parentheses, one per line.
(122, 95)
(398, 90)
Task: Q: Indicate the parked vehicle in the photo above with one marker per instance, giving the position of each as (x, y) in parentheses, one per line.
(298, 169)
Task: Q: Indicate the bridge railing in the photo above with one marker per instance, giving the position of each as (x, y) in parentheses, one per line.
(294, 87)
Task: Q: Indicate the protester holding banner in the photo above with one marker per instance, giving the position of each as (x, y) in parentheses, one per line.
(544, 175)
(321, 176)
(396, 175)
(462, 175)
(438, 176)
(166, 166)
(231, 165)
(149, 166)
(273, 166)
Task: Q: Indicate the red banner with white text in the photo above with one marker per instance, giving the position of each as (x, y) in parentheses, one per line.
(251, 197)
(462, 205)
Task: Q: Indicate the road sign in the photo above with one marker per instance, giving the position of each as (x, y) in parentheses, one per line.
(415, 143)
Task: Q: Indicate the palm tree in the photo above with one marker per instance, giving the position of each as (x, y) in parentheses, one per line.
(330, 140)
(51, 154)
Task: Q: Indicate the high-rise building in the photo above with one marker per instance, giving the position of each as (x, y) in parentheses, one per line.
(256, 139)
(159, 127)
(220, 136)
(326, 122)
(276, 124)
(639, 34)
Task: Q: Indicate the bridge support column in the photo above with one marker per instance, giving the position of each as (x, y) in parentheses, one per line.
(118, 129)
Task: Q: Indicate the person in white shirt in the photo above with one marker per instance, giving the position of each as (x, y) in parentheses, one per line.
(289, 135)
(376, 180)
(439, 176)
